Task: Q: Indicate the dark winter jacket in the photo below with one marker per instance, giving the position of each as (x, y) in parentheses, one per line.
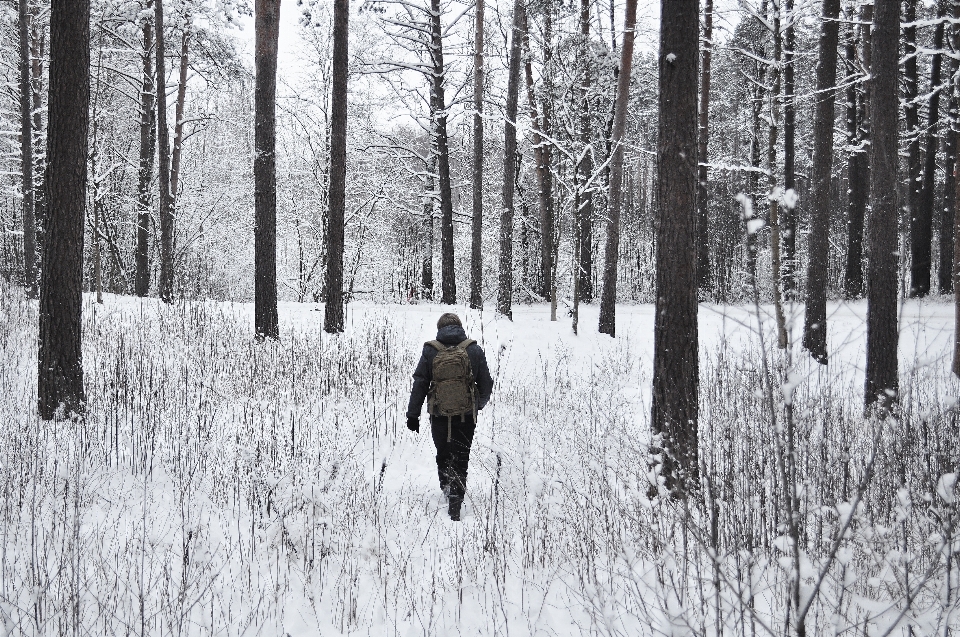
(449, 335)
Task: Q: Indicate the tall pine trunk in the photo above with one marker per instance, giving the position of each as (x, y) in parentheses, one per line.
(858, 165)
(163, 141)
(448, 273)
(476, 243)
(26, 156)
(181, 103)
(267, 28)
(919, 286)
(790, 211)
(881, 375)
(608, 300)
(704, 275)
(505, 291)
(774, 208)
(932, 139)
(675, 358)
(584, 212)
(544, 172)
(945, 273)
(148, 142)
(60, 362)
(815, 317)
(333, 320)
(39, 145)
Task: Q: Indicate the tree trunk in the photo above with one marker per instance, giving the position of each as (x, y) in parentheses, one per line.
(148, 142)
(26, 157)
(815, 317)
(608, 301)
(584, 212)
(675, 365)
(476, 244)
(60, 390)
(181, 102)
(704, 278)
(163, 141)
(881, 377)
(333, 310)
(544, 172)
(858, 165)
(918, 262)
(39, 197)
(267, 29)
(925, 209)
(505, 291)
(774, 215)
(790, 211)
(429, 202)
(447, 265)
(949, 191)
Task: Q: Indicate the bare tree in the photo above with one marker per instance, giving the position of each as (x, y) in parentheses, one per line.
(179, 108)
(608, 300)
(675, 358)
(26, 156)
(148, 142)
(911, 111)
(704, 278)
(163, 141)
(476, 245)
(505, 291)
(584, 200)
(789, 222)
(945, 271)
(333, 310)
(60, 378)
(815, 318)
(881, 376)
(858, 165)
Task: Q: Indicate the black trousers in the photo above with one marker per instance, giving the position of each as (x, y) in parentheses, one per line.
(453, 439)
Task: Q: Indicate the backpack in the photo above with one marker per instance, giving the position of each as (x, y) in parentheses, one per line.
(453, 390)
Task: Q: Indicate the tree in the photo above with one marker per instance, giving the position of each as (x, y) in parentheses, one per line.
(181, 100)
(26, 156)
(945, 271)
(333, 310)
(476, 244)
(448, 274)
(815, 318)
(60, 379)
(267, 27)
(675, 358)
(544, 162)
(505, 291)
(608, 300)
(789, 153)
(925, 205)
(918, 287)
(881, 377)
(704, 279)
(858, 166)
(583, 275)
(148, 142)
(163, 140)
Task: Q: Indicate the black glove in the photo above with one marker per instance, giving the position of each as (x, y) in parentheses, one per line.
(413, 424)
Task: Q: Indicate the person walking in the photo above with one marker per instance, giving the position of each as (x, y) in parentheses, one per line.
(453, 377)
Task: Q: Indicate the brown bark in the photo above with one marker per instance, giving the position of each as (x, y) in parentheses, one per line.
(60, 365)
(815, 317)
(505, 290)
(267, 29)
(608, 300)
(584, 211)
(476, 243)
(148, 142)
(181, 103)
(163, 141)
(333, 310)
(26, 156)
(675, 365)
(881, 375)
(918, 287)
(704, 277)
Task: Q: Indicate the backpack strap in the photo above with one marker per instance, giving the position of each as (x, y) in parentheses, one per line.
(437, 345)
(467, 343)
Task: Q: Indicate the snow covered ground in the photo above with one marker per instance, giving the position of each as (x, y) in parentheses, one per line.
(220, 486)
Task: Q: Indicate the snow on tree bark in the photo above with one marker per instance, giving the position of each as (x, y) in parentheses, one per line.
(333, 309)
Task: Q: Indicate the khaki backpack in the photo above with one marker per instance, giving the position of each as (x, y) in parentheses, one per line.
(453, 390)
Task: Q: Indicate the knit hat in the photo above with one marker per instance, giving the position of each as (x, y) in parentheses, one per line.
(448, 319)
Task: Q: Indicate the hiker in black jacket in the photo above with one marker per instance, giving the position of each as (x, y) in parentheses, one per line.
(452, 432)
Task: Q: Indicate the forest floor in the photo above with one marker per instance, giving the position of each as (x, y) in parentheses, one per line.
(219, 486)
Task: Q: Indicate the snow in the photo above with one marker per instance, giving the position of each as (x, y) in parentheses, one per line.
(272, 488)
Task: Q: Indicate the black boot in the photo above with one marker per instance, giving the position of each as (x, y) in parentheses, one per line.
(454, 508)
